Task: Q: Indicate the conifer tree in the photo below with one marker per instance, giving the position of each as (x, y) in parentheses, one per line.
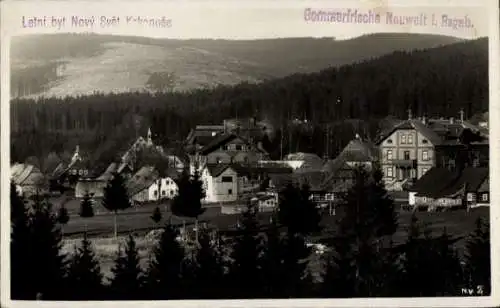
(187, 202)
(47, 269)
(164, 274)
(245, 270)
(272, 262)
(301, 218)
(429, 265)
(86, 208)
(297, 212)
(361, 255)
(62, 217)
(116, 198)
(20, 249)
(478, 259)
(127, 281)
(208, 281)
(156, 216)
(448, 272)
(84, 274)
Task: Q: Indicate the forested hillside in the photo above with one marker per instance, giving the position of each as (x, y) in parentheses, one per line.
(70, 64)
(435, 82)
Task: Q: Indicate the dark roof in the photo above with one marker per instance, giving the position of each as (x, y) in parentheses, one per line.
(441, 182)
(470, 178)
(428, 133)
(434, 180)
(217, 142)
(143, 179)
(358, 150)
(485, 186)
(216, 169)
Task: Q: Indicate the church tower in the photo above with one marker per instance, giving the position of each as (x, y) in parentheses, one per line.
(149, 137)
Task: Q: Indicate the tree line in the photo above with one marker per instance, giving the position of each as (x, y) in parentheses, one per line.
(271, 261)
(434, 82)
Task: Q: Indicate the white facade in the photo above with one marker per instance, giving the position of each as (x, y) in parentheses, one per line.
(221, 188)
(169, 190)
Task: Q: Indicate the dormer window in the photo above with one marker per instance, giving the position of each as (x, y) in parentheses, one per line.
(389, 141)
(424, 141)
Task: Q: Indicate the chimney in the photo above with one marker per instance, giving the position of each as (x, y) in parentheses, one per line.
(452, 120)
(358, 137)
(461, 115)
(424, 120)
(409, 114)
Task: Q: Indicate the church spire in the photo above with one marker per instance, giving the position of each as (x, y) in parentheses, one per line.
(150, 137)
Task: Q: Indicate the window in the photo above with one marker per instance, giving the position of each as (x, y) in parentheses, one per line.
(403, 139)
(172, 192)
(239, 147)
(425, 155)
(224, 147)
(163, 193)
(424, 141)
(410, 139)
(218, 160)
(484, 197)
(470, 197)
(389, 172)
(227, 179)
(406, 155)
(229, 191)
(155, 193)
(389, 141)
(389, 154)
(245, 159)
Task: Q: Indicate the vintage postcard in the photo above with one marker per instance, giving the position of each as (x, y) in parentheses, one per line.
(250, 153)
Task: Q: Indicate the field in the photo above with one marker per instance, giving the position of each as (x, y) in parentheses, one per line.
(457, 223)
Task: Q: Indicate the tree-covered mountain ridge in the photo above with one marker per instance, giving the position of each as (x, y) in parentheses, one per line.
(76, 64)
(434, 82)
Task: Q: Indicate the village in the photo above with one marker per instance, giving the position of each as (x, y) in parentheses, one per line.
(430, 164)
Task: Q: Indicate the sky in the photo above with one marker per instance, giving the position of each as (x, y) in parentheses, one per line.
(247, 19)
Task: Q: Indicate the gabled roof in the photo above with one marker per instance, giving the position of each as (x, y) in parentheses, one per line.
(441, 182)
(217, 142)
(358, 150)
(142, 179)
(434, 180)
(221, 140)
(25, 174)
(216, 169)
(485, 186)
(420, 127)
(470, 178)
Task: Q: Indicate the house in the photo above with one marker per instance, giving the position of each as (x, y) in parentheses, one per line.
(220, 182)
(146, 185)
(483, 194)
(412, 147)
(202, 135)
(359, 152)
(68, 173)
(442, 187)
(227, 149)
(28, 179)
